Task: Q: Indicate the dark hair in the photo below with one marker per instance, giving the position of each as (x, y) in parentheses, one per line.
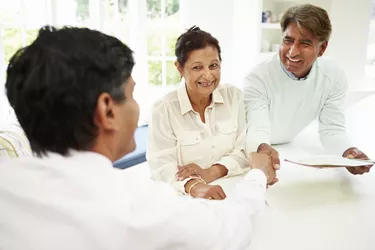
(311, 17)
(193, 39)
(54, 83)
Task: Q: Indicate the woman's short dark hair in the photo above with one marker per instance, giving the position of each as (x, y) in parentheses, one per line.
(54, 83)
(194, 39)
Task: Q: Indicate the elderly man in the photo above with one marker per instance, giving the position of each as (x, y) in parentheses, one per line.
(72, 91)
(283, 95)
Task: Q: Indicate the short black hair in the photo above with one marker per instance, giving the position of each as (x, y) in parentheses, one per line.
(54, 83)
(194, 39)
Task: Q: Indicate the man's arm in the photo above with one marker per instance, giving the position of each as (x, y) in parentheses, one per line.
(257, 113)
(332, 127)
(202, 224)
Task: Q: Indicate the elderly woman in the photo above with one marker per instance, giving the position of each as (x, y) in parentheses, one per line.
(197, 132)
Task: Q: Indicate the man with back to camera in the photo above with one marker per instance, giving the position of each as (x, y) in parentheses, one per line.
(283, 95)
(72, 91)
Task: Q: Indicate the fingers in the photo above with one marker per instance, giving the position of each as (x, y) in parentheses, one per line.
(215, 193)
(358, 170)
(221, 193)
(185, 173)
(362, 156)
(362, 170)
(275, 159)
(182, 168)
(352, 170)
(275, 180)
(357, 154)
(216, 196)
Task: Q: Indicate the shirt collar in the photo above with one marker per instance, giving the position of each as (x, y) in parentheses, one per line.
(291, 75)
(185, 103)
(88, 159)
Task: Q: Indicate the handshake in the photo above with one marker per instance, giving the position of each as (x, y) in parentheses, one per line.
(267, 160)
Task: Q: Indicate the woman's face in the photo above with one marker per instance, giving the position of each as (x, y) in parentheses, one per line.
(201, 71)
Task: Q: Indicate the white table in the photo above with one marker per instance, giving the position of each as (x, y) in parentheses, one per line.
(317, 209)
(321, 209)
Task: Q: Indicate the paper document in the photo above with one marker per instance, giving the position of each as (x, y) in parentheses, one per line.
(322, 161)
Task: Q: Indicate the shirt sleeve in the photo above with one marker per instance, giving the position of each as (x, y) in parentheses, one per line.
(257, 113)
(236, 160)
(332, 129)
(203, 224)
(161, 151)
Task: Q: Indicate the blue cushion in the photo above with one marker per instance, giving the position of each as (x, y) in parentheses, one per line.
(139, 154)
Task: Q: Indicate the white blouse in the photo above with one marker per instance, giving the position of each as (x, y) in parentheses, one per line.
(177, 135)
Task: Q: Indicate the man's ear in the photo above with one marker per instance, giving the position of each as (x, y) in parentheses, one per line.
(322, 48)
(105, 113)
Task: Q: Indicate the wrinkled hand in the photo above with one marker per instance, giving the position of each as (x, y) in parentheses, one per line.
(264, 163)
(211, 192)
(192, 170)
(355, 153)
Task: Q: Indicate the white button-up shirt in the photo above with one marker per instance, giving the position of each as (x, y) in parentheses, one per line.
(81, 202)
(177, 135)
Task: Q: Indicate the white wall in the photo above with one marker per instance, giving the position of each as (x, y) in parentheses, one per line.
(246, 37)
(236, 24)
(350, 30)
(215, 17)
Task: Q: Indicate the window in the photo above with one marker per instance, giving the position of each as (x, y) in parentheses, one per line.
(20, 21)
(370, 63)
(162, 31)
(149, 27)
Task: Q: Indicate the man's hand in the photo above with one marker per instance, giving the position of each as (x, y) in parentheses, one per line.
(264, 163)
(264, 148)
(355, 153)
(200, 190)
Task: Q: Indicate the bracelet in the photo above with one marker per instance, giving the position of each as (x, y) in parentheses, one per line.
(197, 177)
(192, 185)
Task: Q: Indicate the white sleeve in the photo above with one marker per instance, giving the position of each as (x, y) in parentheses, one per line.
(332, 129)
(257, 113)
(236, 160)
(161, 151)
(188, 223)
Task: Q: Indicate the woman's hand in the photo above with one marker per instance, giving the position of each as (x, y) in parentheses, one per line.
(201, 190)
(208, 175)
(189, 170)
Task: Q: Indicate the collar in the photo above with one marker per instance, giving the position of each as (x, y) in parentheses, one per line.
(291, 75)
(185, 103)
(87, 158)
